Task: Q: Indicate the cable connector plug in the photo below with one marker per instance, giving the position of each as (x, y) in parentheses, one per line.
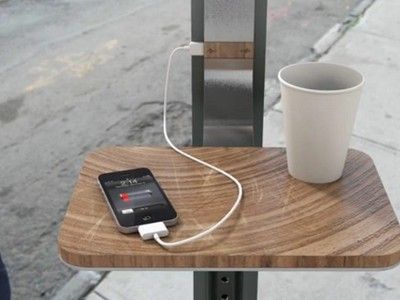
(196, 48)
(148, 231)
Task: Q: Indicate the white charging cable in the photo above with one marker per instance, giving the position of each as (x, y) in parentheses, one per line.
(195, 49)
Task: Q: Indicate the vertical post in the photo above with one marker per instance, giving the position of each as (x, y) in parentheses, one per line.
(228, 72)
(228, 103)
(225, 285)
(228, 82)
(197, 14)
(260, 36)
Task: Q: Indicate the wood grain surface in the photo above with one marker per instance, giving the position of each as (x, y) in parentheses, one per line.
(232, 50)
(282, 222)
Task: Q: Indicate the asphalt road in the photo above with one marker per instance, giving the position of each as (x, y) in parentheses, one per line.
(77, 75)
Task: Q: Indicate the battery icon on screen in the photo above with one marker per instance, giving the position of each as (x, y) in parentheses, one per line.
(135, 195)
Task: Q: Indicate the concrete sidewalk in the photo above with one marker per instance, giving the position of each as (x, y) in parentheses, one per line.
(372, 47)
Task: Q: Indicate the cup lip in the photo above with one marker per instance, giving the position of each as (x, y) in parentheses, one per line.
(315, 91)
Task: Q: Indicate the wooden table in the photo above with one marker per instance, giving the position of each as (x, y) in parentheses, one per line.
(282, 222)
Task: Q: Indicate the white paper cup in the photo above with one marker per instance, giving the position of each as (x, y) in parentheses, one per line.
(320, 102)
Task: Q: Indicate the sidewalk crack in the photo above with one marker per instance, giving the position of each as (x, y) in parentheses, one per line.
(100, 295)
(376, 142)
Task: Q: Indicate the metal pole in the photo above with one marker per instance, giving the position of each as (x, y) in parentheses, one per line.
(197, 15)
(228, 84)
(225, 285)
(228, 103)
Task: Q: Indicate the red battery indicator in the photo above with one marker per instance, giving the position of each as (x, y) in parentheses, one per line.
(124, 197)
(138, 194)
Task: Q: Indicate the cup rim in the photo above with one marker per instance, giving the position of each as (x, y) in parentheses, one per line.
(315, 91)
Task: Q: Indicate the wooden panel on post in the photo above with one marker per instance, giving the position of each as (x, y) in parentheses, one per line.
(240, 50)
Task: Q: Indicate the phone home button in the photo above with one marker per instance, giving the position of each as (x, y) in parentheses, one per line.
(146, 218)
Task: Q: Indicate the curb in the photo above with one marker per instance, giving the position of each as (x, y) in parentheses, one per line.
(325, 43)
(81, 284)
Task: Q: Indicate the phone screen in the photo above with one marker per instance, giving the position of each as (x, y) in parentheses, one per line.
(136, 197)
